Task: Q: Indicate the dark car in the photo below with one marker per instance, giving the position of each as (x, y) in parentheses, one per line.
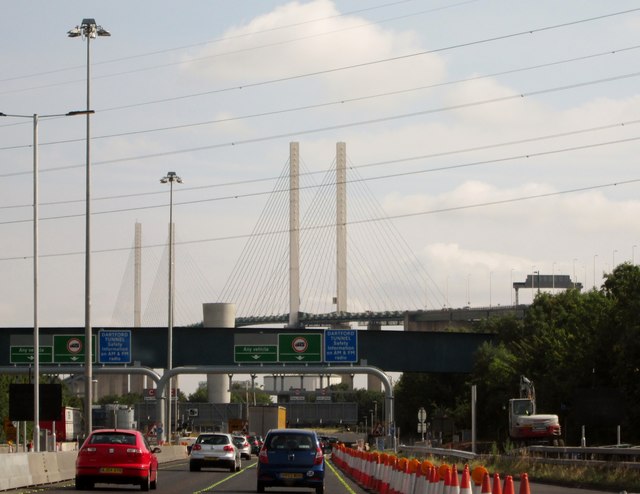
(255, 442)
(327, 443)
(116, 456)
(291, 458)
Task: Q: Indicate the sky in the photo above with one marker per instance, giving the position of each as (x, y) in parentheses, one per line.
(492, 138)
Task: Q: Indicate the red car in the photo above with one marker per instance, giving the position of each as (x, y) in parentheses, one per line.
(116, 456)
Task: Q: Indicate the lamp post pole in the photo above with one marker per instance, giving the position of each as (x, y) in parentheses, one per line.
(88, 29)
(36, 220)
(170, 178)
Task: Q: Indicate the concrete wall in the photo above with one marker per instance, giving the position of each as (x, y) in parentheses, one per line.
(28, 469)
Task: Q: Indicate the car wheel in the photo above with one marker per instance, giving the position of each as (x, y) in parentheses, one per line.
(320, 489)
(154, 482)
(194, 467)
(83, 484)
(233, 466)
(260, 487)
(146, 483)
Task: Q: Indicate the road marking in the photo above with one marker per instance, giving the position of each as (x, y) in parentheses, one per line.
(340, 477)
(213, 486)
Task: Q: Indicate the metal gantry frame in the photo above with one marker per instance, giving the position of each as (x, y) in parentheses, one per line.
(162, 381)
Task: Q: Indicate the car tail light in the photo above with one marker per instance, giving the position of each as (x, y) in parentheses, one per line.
(319, 457)
(196, 447)
(228, 447)
(91, 449)
(262, 456)
(135, 451)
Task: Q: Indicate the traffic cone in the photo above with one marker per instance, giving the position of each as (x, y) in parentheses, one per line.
(445, 478)
(454, 485)
(497, 486)
(445, 481)
(434, 481)
(524, 484)
(465, 482)
(508, 485)
(486, 484)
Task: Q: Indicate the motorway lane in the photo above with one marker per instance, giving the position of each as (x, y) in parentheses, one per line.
(175, 478)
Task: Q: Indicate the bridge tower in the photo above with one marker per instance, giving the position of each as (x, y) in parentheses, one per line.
(294, 235)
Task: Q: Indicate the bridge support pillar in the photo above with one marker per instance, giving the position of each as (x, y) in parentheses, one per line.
(218, 315)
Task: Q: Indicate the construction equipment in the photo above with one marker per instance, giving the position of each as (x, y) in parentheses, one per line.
(527, 427)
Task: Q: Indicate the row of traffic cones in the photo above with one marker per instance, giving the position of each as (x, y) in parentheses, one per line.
(490, 486)
(381, 473)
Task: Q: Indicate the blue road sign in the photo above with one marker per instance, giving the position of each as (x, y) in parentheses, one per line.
(340, 345)
(115, 346)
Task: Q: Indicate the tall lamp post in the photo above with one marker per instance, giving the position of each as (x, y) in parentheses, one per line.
(170, 179)
(36, 219)
(89, 30)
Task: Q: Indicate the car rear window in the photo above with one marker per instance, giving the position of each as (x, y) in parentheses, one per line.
(215, 440)
(112, 438)
(290, 441)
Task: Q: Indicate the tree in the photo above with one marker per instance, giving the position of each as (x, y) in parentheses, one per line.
(199, 395)
(622, 290)
(441, 395)
(128, 399)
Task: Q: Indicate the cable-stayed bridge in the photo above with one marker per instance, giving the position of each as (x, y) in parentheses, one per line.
(322, 251)
(311, 251)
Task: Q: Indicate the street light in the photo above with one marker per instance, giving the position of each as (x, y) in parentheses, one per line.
(88, 29)
(170, 179)
(36, 328)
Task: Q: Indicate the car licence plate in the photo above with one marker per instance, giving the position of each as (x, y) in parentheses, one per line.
(110, 470)
(291, 475)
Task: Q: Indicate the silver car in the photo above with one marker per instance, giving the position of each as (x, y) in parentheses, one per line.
(215, 449)
(243, 445)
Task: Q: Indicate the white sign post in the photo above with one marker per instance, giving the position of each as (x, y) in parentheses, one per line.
(422, 417)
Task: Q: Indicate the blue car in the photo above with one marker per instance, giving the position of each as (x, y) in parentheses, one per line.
(291, 458)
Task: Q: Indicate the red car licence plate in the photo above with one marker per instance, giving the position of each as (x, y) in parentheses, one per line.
(110, 470)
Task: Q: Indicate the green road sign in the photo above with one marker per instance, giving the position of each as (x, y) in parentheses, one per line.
(255, 353)
(23, 354)
(296, 347)
(69, 349)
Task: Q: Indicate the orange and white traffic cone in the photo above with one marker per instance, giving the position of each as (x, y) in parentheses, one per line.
(434, 481)
(524, 484)
(497, 486)
(508, 485)
(465, 482)
(454, 485)
(486, 484)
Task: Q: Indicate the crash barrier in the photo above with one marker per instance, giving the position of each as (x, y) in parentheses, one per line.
(29, 469)
(383, 473)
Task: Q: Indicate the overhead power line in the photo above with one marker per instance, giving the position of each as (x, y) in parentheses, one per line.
(325, 104)
(368, 220)
(361, 166)
(370, 121)
(379, 177)
(237, 36)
